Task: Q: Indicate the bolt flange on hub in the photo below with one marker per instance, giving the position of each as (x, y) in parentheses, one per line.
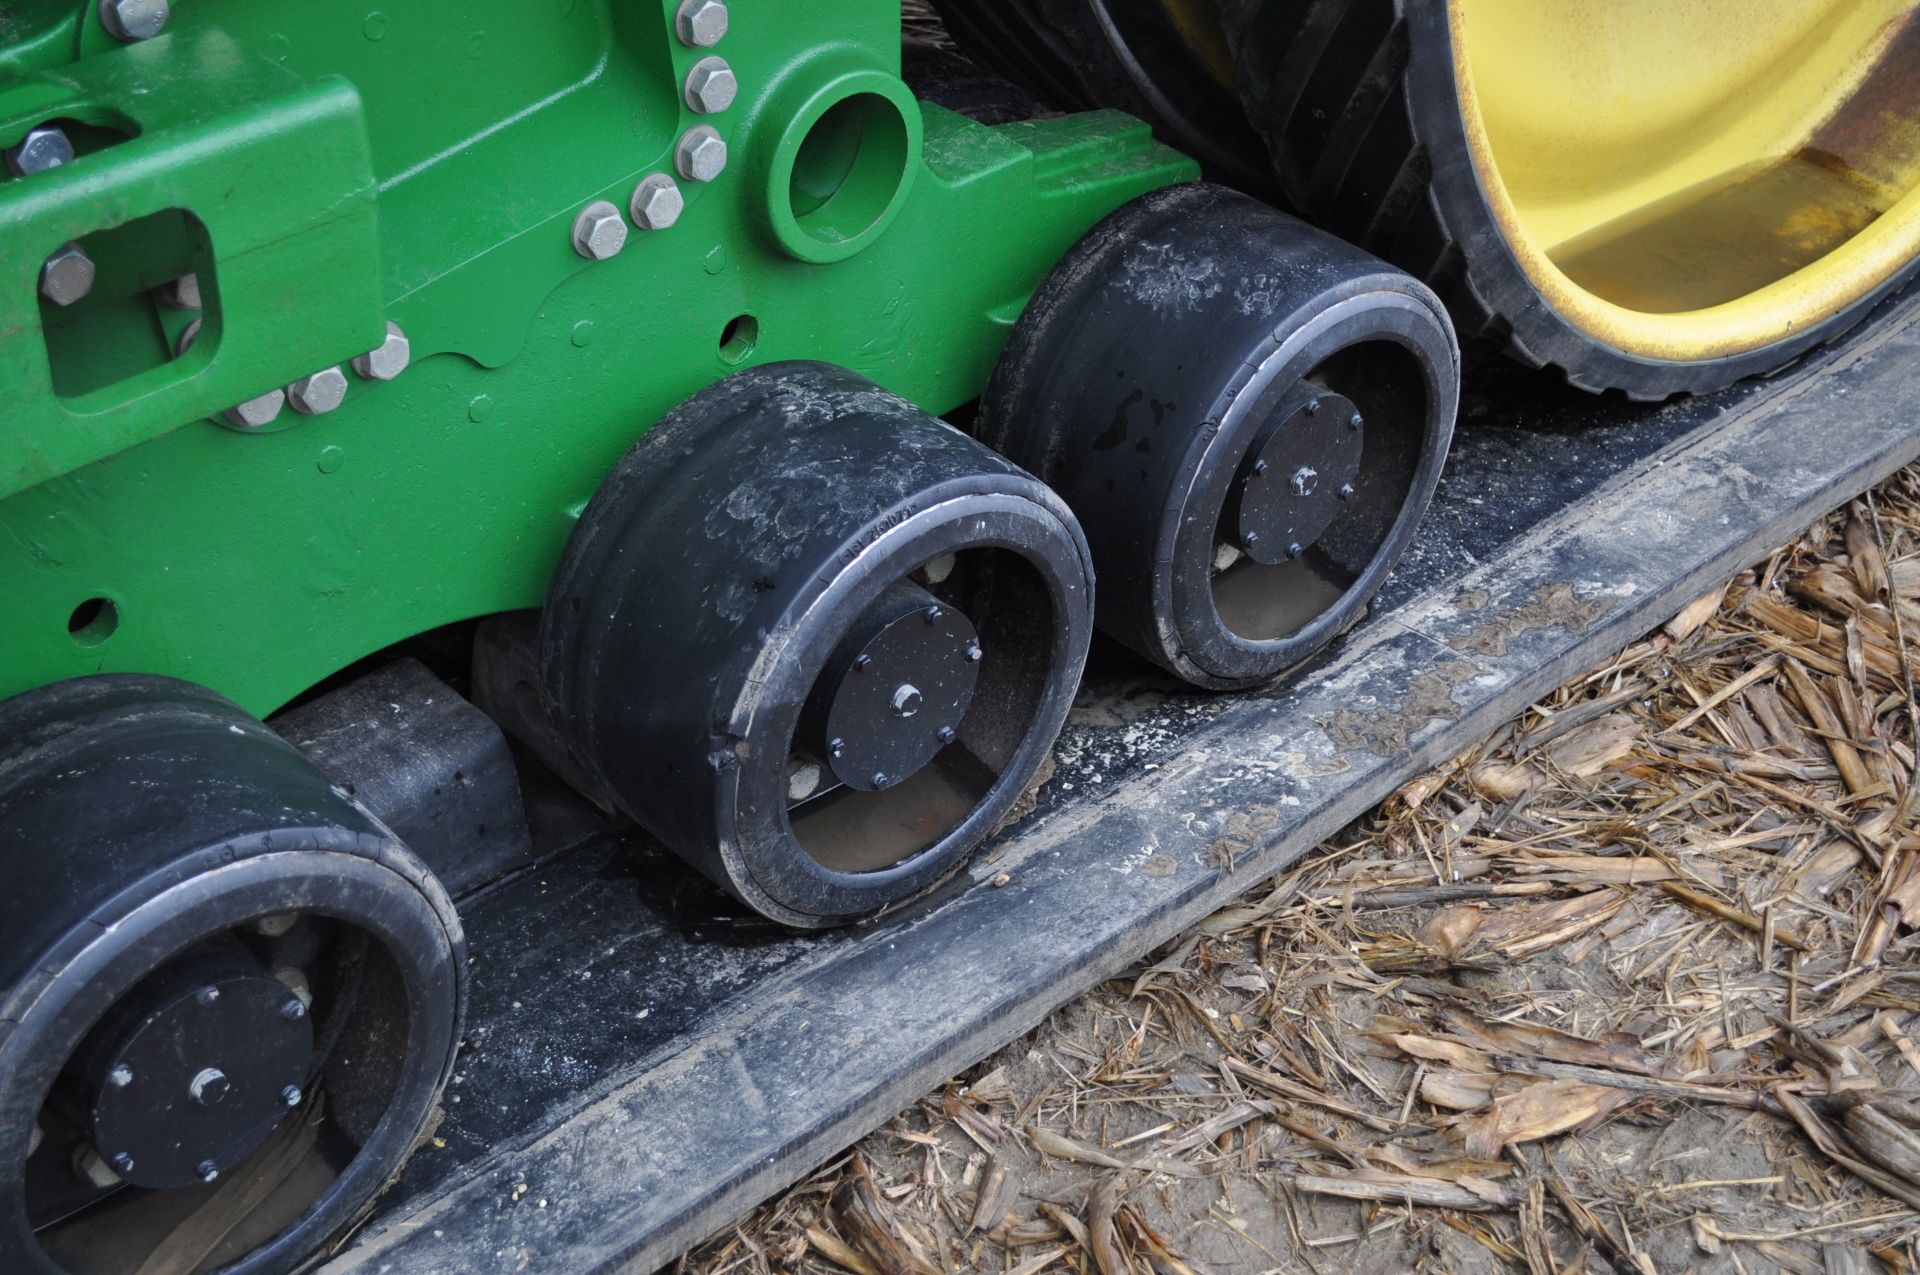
(1248, 417)
(749, 650)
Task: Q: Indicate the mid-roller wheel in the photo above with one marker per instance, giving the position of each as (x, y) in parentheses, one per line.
(229, 998)
(815, 640)
(1248, 417)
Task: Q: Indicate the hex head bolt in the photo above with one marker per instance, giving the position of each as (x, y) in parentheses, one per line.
(389, 359)
(257, 412)
(599, 232)
(67, 275)
(182, 293)
(711, 86)
(656, 203)
(318, 392)
(700, 24)
(42, 148)
(701, 154)
(133, 20)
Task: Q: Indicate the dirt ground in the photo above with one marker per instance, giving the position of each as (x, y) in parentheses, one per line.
(1629, 987)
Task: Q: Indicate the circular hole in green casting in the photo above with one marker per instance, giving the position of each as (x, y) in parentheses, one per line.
(739, 337)
(93, 621)
(849, 167)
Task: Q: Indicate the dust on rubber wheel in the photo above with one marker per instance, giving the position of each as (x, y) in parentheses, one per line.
(1248, 417)
(814, 640)
(231, 998)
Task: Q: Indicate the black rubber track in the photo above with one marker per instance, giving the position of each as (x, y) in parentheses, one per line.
(1357, 102)
(1124, 54)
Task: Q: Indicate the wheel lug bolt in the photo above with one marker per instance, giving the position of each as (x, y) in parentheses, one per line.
(879, 779)
(120, 1077)
(293, 1011)
(1313, 407)
(291, 1095)
(207, 1170)
(1294, 550)
(1250, 539)
(934, 615)
(1260, 467)
(1346, 491)
(974, 653)
(1356, 421)
(945, 734)
(861, 661)
(836, 747)
(208, 996)
(122, 1163)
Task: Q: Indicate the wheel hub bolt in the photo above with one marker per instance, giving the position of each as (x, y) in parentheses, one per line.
(122, 1163)
(208, 1171)
(837, 747)
(974, 653)
(934, 615)
(906, 700)
(880, 779)
(209, 1087)
(291, 1095)
(1295, 550)
(1346, 491)
(120, 1077)
(1313, 407)
(208, 996)
(945, 734)
(293, 1011)
(1356, 421)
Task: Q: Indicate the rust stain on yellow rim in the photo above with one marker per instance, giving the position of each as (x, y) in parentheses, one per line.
(1693, 179)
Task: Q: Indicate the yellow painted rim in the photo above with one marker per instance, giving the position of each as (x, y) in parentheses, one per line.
(1693, 179)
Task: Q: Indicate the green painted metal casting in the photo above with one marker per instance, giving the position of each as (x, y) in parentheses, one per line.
(324, 170)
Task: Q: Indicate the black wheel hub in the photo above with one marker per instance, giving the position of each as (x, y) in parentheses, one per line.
(1296, 475)
(194, 1069)
(894, 689)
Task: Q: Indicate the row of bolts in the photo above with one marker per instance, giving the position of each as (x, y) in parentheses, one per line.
(599, 231)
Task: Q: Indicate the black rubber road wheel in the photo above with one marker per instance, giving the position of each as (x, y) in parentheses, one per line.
(229, 999)
(1247, 415)
(1581, 194)
(815, 640)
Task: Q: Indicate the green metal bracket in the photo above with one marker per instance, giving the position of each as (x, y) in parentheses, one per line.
(259, 563)
(276, 172)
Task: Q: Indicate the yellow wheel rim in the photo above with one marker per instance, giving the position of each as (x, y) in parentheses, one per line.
(1692, 179)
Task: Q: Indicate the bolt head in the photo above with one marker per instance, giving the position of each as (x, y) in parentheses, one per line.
(880, 779)
(387, 361)
(252, 414)
(1313, 407)
(974, 653)
(1356, 421)
(122, 1163)
(291, 1095)
(131, 20)
(599, 231)
(946, 734)
(711, 86)
(120, 1077)
(318, 392)
(209, 1087)
(294, 1010)
(700, 24)
(67, 275)
(836, 747)
(701, 154)
(1295, 550)
(208, 996)
(207, 1171)
(42, 148)
(656, 202)
(187, 337)
(182, 293)
(1346, 491)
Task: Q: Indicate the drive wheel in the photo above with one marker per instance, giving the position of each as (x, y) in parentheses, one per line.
(231, 998)
(1582, 195)
(1248, 417)
(815, 640)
